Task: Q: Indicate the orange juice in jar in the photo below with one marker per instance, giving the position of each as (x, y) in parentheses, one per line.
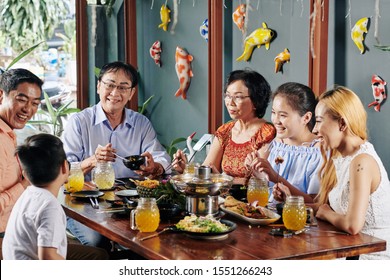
(146, 217)
(294, 213)
(258, 190)
(76, 178)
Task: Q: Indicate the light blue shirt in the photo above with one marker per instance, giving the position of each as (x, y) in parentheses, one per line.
(300, 166)
(134, 136)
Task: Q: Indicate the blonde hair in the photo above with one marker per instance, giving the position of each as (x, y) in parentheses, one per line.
(341, 103)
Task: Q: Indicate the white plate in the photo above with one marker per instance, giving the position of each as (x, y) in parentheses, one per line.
(273, 217)
(127, 193)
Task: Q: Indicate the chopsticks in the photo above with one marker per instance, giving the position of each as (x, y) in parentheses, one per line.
(94, 202)
(174, 162)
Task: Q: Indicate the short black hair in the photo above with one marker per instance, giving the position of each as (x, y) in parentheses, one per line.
(41, 157)
(301, 98)
(258, 88)
(115, 66)
(11, 79)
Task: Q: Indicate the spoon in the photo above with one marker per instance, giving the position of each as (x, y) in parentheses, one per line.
(122, 158)
(173, 228)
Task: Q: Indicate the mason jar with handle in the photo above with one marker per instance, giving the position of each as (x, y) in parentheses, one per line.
(76, 178)
(146, 217)
(294, 213)
(103, 175)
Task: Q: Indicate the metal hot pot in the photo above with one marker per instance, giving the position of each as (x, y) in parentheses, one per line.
(202, 190)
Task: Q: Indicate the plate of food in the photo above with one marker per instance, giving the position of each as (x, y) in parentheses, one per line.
(87, 194)
(126, 193)
(255, 215)
(207, 227)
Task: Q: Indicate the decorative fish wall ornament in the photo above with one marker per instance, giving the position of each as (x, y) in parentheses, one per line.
(183, 71)
(358, 33)
(204, 29)
(261, 36)
(239, 17)
(155, 52)
(280, 59)
(378, 86)
(165, 17)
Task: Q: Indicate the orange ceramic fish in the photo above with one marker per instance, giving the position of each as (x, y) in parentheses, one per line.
(183, 71)
(280, 59)
(239, 16)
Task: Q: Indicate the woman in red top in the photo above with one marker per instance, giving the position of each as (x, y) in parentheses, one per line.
(246, 96)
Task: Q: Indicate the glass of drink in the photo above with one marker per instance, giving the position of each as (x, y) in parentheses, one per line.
(294, 213)
(76, 178)
(258, 191)
(103, 175)
(146, 217)
(190, 168)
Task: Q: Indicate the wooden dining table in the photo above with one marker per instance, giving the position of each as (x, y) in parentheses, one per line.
(246, 242)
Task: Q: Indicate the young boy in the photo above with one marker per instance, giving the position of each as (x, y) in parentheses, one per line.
(37, 224)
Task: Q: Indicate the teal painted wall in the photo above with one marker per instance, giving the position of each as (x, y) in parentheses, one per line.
(350, 68)
(174, 117)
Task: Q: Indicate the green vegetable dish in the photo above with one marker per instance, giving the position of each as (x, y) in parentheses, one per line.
(201, 224)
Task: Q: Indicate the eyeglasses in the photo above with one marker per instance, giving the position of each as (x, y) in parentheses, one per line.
(110, 87)
(237, 99)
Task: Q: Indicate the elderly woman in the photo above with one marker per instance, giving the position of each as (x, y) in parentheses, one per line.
(246, 96)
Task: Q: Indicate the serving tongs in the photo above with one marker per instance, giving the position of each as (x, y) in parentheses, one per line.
(169, 228)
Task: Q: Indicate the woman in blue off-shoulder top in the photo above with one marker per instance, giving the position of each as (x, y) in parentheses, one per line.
(293, 158)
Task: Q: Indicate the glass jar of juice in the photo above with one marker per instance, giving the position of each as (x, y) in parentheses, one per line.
(294, 213)
(103, 175)
(146, 217)
(258, 191)
(76, 178)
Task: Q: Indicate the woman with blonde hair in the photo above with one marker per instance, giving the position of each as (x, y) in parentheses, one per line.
(355, 189)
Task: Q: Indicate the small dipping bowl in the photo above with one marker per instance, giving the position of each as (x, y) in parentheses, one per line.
(168, 211)
(134, 162)
(239, 192)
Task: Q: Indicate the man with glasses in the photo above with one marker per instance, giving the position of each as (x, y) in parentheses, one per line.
(108, 128)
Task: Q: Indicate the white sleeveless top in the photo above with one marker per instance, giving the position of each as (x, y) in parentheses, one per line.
(377, 221)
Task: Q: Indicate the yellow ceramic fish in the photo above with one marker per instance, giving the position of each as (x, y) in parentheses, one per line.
(280, 59)
(357, 33)
(165, 17)
(261, 36)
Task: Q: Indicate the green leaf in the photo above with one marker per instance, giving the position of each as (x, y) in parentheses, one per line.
(69, 111)
(383, 48)
(50, 107)
(23, 54)
(178, 140)
(145, 104)
(97, 72)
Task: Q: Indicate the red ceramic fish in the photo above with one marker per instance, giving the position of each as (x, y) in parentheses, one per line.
(155, 52)
(183, 71)
(379, 92)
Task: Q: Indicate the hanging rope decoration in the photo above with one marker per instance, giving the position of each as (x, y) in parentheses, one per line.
(280, 7)
(313, 26)
(348, 15)
(302, 7)
(376, 21)
(246, 20)
(175, 16)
